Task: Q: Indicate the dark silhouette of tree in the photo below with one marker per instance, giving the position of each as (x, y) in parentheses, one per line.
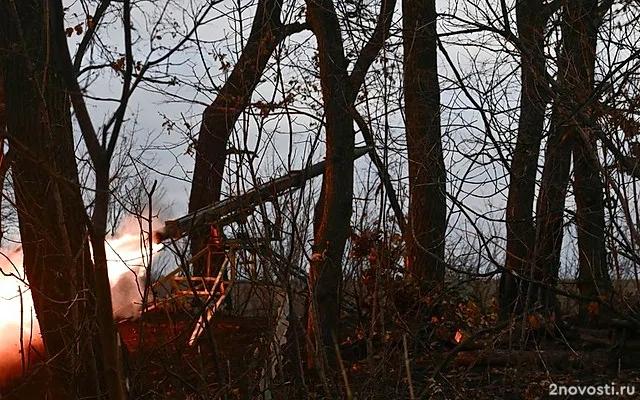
(532, 17)
(332, 217)
(333, 210)
(47, 192)
(582, 34)
(5, 158)
(427, 175)
(570, 132)
(219, 118)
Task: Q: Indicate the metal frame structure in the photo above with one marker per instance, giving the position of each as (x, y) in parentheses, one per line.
(214, 289)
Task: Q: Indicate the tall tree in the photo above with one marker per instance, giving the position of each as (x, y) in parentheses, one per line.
(427, 220)
(219, 118)
(570, 121)
(333, 209)
(101, 152)
(593, 278)
(532, 17)
(53, 232)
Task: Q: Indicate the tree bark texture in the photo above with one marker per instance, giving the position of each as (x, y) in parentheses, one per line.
(582, 33)
(570, 133)
(532, 19)
(333, 214)
(427, 176)
(220, 117)
(333, 209)
(47, 192)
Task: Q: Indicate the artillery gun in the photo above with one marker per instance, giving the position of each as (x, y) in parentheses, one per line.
(230, 210)
(214, 289)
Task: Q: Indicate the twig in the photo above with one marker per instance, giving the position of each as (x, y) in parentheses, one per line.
(343, 371)
(460, 346)
(382, 171)
(407, 365)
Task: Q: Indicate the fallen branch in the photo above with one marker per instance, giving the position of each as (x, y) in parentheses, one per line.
(501, 358)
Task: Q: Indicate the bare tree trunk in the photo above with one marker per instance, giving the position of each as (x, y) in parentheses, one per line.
(218, 120)
(56, 257)
(113, 374)
(532, 16)
(593, 278)
(333, 214)
(105, 339)
(551, 200)
(568, 132)
(582, 32)
(427, 176)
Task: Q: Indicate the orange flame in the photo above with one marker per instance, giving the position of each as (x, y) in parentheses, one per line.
(458, 336)
(128, 257)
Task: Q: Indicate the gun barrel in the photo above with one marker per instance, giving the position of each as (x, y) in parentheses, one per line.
(178, 228)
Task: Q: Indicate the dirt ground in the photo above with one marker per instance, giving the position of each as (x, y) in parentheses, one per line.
(162, 365)
(159, 363)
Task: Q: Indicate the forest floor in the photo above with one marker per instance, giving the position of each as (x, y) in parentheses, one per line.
(490, 365)
(160, 364)
(442, 365)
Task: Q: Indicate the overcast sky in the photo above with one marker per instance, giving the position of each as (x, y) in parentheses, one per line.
(464, 130)
(488, 66)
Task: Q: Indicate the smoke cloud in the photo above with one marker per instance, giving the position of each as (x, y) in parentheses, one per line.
(128, 256)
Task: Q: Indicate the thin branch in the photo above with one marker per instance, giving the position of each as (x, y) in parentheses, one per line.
(96, 152)
(126, 90)
(293, 28)
(382, 171)
(90, 32)
(151, 63)
(373, 46)
(485, 120)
